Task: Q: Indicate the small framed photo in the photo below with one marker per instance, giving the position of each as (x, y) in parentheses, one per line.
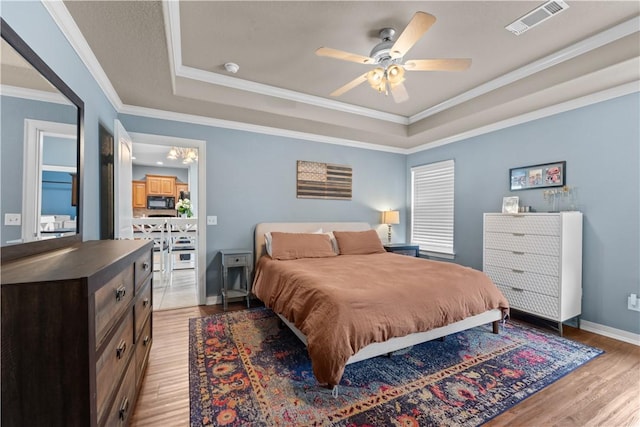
(510, 204)
(538, 176)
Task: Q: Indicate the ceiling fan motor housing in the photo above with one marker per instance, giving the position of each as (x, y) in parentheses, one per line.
(381, 53)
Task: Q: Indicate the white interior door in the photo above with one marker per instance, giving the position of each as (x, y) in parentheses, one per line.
(123, 177)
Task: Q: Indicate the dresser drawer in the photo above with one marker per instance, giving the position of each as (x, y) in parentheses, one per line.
(524, 261)
(546, 225)
(112, 300)
(122, 406)
(532, 243)
(113, 360)
(142, 268)
(237, 260)
(539, 283)
(143, 347)
(531, 302)
(142, 306)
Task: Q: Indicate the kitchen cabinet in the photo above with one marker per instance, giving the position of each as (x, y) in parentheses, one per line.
(139, 192)
(161, 185)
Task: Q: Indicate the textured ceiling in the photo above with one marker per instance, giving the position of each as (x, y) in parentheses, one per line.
(170, 56)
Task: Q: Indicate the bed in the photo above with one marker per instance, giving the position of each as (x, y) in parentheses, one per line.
(353, 306)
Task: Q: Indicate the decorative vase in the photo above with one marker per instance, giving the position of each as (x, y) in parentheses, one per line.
(183, 215)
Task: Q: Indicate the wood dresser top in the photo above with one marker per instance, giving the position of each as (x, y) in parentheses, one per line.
(96, 257)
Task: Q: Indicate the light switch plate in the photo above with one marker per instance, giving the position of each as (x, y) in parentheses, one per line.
(212, 220)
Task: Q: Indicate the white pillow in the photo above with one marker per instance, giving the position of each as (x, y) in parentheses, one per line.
(267, 240)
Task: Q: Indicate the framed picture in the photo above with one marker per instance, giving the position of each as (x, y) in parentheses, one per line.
(510, 204)
(538, 176)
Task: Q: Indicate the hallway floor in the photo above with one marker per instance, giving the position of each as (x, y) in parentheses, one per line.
(174, 290)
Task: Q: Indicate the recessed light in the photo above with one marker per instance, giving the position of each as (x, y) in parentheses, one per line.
(159, 163)
(133, 157)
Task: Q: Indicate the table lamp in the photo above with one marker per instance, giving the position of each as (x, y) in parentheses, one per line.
(390, 217)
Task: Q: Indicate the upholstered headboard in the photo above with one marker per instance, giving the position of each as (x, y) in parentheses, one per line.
(300, 227)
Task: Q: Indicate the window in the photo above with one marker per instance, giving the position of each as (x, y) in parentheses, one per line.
(432, 206)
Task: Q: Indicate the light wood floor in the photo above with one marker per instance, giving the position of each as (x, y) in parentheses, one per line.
(604, 392)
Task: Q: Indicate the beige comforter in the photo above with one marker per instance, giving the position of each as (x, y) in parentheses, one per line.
(344, 303)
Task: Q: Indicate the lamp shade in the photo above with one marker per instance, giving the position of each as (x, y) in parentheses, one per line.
(391, 217)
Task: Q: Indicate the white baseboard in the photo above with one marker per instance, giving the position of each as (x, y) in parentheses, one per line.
(617, 334)
(216, 299)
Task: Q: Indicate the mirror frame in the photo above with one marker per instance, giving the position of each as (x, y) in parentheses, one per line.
(11, 252)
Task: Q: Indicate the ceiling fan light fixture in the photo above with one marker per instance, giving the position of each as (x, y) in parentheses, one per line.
(395, 74)
(375, 77)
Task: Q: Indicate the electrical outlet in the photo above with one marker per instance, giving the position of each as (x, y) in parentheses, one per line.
(12, 219)
(212, 220)
(633, 303)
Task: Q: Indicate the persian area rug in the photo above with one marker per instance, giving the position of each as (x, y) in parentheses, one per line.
(244, 369)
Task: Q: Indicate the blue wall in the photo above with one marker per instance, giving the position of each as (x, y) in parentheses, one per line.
(56, 194)
(140, 172)
(600, 144)
(57, 151)
(251, 178)
(35, 26)
(13, 112)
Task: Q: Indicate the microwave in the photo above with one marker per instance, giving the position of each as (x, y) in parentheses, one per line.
(161, 202)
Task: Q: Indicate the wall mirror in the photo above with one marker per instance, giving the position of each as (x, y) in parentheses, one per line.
(41, 153)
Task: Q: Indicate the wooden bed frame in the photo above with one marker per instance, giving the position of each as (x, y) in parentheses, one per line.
(374, 349)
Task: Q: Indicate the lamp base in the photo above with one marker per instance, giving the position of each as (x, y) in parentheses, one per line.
(389, 234)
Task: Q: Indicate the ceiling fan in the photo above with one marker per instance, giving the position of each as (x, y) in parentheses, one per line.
(388, 76)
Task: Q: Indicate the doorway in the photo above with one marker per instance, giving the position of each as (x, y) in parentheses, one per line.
(179, 277)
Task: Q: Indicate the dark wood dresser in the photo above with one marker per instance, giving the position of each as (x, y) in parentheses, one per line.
(76, 334)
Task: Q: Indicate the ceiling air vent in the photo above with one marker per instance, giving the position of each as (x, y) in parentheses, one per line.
(536, 16)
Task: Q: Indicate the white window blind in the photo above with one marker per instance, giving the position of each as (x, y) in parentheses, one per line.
(432, 206)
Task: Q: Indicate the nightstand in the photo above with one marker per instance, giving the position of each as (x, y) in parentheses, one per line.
(236, 258)
(402, 249)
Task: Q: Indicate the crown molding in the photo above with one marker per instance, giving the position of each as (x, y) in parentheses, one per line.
(248, 127)
(67, 25)
(573, 104)
(171, 11)
(70, 30)
(290, 95)
(33, 94)
(612, 34)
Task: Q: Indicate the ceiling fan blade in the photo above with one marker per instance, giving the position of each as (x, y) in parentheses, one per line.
(459, 64)
(345, 56)
(399, 93)
(353, 83)
(418, 25)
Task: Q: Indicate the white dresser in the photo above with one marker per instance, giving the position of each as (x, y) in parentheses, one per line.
(536, 261)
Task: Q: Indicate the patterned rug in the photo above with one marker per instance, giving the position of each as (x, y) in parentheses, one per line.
(246, 370)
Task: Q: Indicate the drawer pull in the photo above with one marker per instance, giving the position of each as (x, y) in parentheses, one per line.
(518, 271)
(146, 266)
(237, 259)
(120, 292)
(518, 234)
(124, 407)
(517, 253)
(145, 302)
(145, 341)
(517, 289)
(122, 347)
